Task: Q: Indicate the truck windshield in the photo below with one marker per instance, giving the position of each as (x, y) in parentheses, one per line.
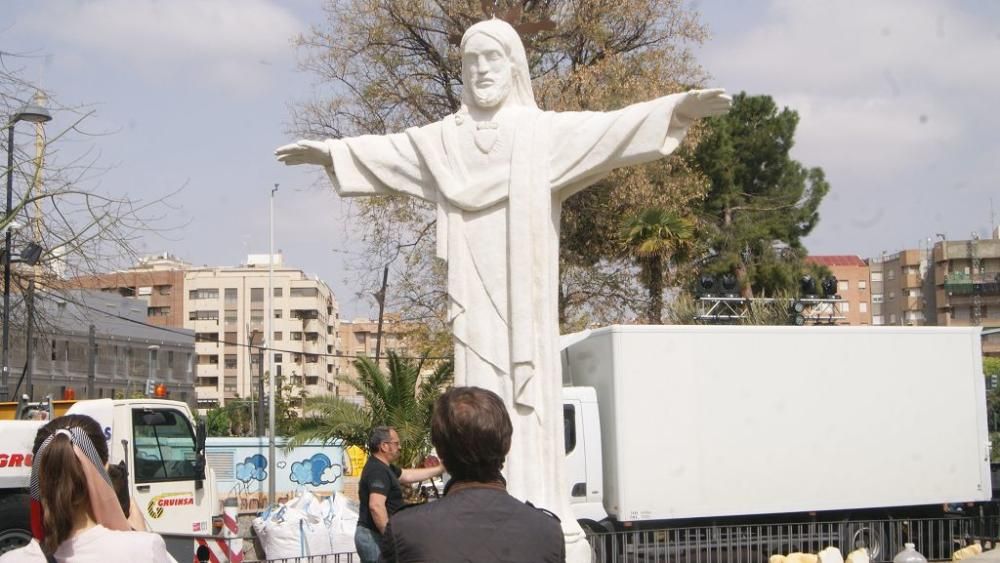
(164, 446)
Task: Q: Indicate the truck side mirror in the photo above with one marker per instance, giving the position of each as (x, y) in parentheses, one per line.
(200, 436)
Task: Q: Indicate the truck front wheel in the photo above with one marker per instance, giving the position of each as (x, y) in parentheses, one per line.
(15, 521)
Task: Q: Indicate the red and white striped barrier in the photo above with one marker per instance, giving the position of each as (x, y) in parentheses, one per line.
(229, 548)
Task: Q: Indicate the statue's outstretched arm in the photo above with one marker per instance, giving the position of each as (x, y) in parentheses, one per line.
(305, 152)
(697, 104)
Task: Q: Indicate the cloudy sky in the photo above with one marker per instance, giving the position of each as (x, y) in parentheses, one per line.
(898, 104)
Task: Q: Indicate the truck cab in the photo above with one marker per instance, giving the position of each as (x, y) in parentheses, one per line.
(163, 450)
(584, 470)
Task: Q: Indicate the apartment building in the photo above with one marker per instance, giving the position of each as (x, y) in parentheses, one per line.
(901, 292)
(158, 281)
(359, 337)
(226, 308)
(75, 327)
(853, 279)
(967, 285)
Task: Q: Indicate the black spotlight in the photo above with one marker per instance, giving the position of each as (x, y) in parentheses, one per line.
(807, 285)
(829, 285)
(729, 283)
(706, 283)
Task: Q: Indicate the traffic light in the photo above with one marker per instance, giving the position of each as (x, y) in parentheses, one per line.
(149, 387)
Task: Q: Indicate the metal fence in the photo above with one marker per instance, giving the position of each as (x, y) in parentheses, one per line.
(333, 558)
(937, 539)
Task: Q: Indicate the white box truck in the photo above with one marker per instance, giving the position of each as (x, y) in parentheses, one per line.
(667, 425)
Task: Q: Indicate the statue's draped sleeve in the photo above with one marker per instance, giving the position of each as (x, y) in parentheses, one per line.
(589, 145)
(379, 165)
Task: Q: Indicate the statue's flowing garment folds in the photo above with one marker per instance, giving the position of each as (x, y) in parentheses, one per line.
(498, 189)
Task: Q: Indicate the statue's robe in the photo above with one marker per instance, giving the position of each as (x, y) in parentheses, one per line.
(498, 229)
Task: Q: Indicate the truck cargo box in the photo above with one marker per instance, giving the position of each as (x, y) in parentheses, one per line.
(714, 421)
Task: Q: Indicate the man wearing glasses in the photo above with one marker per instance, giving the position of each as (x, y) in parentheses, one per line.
(379, 490)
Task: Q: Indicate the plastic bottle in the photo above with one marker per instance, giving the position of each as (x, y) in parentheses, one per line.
(909, 555)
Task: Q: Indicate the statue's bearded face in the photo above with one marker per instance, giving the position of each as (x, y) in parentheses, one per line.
(486, 70)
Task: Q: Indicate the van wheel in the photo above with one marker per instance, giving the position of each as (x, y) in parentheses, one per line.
(15, 522)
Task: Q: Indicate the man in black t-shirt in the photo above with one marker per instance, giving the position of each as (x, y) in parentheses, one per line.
(379, 490)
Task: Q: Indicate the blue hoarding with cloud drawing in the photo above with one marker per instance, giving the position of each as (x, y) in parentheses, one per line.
(253, 468)
(317, 470)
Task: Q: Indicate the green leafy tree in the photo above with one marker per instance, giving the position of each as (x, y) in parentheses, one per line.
(655, 237)
(760, 203)
(399, 397)
(991, 369)
(217, 422)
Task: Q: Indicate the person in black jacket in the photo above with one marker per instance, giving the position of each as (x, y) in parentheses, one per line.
(477, 520)
(379, 490)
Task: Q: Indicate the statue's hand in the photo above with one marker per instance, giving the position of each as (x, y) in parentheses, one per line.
(704, 103)
(305, 152)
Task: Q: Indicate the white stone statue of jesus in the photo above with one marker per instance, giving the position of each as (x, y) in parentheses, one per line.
(497, 172)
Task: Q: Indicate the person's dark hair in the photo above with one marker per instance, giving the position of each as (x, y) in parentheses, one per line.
(471, 430)
(89, 426)
(379, 435)
(119, 482)
(61, 480)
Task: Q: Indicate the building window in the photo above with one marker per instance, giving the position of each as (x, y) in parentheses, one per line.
(230, 361)
(231, 315)
(845, 307)
(892, 274)
(208, 359)
(877, 320)
(203, 315)
(862, 307)
(206, 337)
(231, 295)
(312, 358)
(876, 277)
(843, 285)
(892, 295)
(277, 292)
(204, 293)
(276, 336)
(892, 318)
(296, 336)
(277, 358)
(157, 311)
(862, 284)
(303, 292)
(256, 294)
(277, 313)
(256, 315)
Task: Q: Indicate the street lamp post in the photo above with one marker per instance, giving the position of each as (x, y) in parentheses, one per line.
(271, 498)
(32, 113)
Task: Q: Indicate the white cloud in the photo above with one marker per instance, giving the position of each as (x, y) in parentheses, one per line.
(225, 42)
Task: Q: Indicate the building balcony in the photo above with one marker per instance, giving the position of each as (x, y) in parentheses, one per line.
(969, 284)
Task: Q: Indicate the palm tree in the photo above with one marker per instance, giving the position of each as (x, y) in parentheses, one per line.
(655, 237)
(397, 398)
